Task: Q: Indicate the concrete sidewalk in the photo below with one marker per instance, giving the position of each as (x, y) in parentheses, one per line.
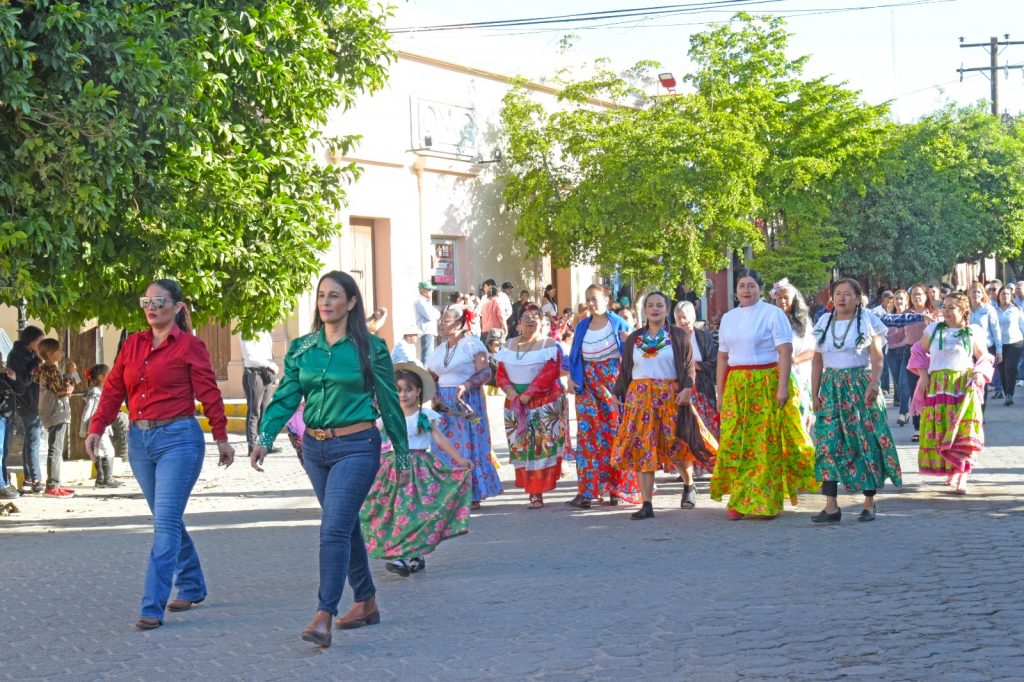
(932, 590)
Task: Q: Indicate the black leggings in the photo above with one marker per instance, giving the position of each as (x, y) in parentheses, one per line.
(1008, 370)
(831, 489)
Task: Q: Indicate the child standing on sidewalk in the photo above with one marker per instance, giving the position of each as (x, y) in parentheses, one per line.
(55, 410)
(414, 505)
(95, 376)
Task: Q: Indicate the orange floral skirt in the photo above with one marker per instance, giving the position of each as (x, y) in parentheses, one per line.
(646, 440)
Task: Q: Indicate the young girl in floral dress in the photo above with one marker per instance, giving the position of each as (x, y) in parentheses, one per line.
(414, 505)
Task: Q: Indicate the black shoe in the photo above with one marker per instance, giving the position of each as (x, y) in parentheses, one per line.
(867, 514)
(646, 512)
(417, 564)
(824, 517)
(689, 498)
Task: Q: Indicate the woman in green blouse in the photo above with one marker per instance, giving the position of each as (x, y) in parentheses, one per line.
(339, 369)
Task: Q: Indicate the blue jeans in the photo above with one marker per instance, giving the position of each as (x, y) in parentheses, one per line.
(166, 462)
(32, 429)
(342, 471)
(426, 346)
(5, 443)
(898, 359)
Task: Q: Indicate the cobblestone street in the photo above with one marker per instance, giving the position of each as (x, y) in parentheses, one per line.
(930, 591)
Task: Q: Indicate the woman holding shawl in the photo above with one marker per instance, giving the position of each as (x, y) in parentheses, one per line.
(656, 382)
(535, 409)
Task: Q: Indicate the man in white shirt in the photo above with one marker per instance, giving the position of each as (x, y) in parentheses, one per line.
(259, 378)
(426, 320)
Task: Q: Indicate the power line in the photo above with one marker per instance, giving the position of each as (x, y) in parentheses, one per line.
(786, 13)
(586, 16)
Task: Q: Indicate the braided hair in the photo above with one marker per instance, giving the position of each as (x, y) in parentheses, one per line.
(858, 292)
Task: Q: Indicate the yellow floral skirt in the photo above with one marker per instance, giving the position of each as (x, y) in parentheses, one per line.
(765, 456)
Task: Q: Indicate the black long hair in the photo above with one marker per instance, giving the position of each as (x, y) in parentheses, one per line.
(859, 293)
(548, 297)
(184, 317)
(356, 326)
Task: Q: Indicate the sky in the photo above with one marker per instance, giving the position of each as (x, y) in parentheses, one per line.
(908, 54)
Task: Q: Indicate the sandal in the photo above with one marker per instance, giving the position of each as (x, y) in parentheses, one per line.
(916, 438)
(398, 567)
(579, 502)
(474, 505)
(417, 564)
(536, 502)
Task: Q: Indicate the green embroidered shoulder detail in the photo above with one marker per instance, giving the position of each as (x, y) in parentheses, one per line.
(304, 343)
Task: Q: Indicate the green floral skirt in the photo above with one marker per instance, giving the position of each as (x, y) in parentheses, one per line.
(853, 444)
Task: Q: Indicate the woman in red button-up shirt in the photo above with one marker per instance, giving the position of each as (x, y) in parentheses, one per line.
(162, 371)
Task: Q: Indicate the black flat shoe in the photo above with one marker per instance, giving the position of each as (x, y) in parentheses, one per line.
(867, 514)
(689, 499)
(645, 512)
(824, 517)
(417, 564)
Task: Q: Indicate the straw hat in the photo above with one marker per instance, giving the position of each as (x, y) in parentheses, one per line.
(429, 387)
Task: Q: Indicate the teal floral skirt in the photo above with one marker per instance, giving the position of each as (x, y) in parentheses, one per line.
(853, 443)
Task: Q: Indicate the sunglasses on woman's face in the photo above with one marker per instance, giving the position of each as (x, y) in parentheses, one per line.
(154, 303)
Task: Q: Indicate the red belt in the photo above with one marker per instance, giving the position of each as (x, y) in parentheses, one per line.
(770, 365)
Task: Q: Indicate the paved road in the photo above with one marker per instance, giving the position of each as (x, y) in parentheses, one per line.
(931, 591)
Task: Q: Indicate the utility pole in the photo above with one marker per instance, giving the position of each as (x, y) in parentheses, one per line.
(993, 46)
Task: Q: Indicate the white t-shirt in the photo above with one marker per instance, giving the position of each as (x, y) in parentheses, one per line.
(460, 361)
(663, 366)
(697, 357)
(802, 370)
(600, 344)
(750, 334)
(549, 309)
(952, 355)
(405, 352)
(421, 441)
(849, 354)
(523, 368)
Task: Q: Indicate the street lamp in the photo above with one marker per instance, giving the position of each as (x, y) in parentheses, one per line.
(668, 81)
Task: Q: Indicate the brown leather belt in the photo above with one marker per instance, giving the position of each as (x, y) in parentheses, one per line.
(146, 424)
(339, 431)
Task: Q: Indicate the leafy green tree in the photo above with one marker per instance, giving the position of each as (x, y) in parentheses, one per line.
(947, 189)
(666, 186)
(660, 190)
(140, 140)
(815, 135)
